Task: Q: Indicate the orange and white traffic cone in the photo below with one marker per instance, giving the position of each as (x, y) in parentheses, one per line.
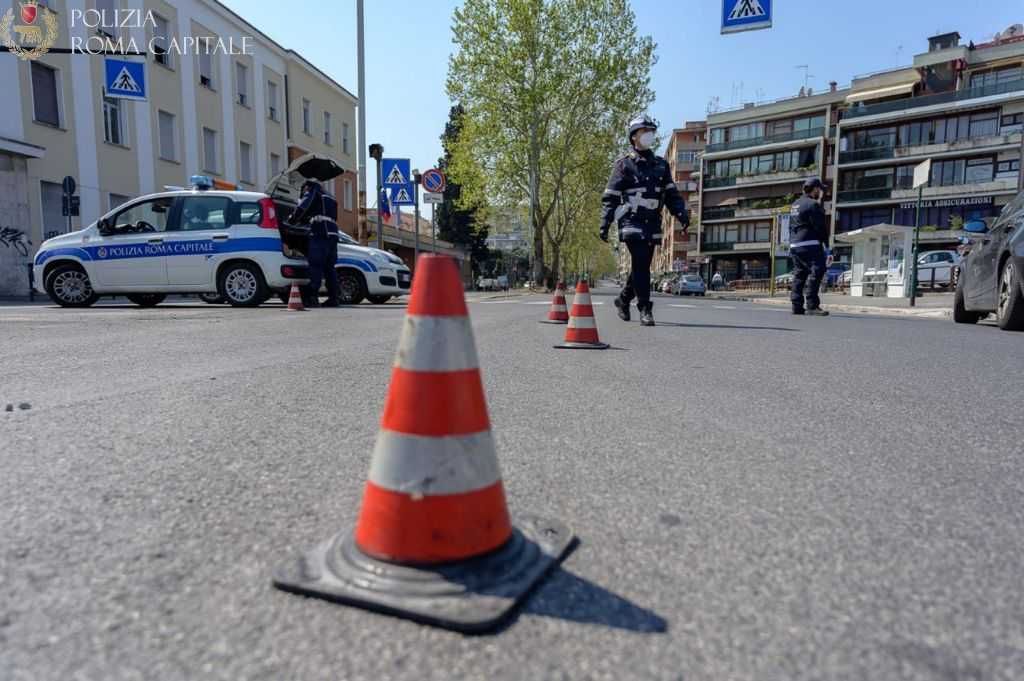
(558, 314)
(295, 299)
(433, 541)
(582, 331)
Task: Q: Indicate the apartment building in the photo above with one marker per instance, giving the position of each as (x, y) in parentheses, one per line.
(678, 247)
(962, 106)
(755, 163)
(239, 118)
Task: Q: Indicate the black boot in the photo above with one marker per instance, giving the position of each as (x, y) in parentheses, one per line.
(817, 312)
(623, 308)
(646, 314)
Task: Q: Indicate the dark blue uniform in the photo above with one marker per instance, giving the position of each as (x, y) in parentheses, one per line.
(808, 227)
(318, 210)
(640, 185)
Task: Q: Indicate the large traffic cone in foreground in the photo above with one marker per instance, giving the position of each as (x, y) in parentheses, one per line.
(433, 541)
(558, 314)
(582, 331)
(295, 299)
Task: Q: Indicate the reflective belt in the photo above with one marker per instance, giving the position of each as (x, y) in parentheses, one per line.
(320, 218)
(801, 244)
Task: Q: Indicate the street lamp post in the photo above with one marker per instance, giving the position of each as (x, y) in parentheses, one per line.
(416, 177)
(377, 153)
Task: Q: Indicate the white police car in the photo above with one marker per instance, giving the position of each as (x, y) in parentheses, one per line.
(228, 245)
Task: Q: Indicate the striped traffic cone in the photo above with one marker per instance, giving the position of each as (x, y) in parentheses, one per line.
(433, 541)
(582, 331)
(558, 314)
(295, 299)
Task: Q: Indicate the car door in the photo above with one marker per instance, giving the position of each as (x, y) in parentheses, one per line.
(130, 254)
(984, 265)
(202, 231)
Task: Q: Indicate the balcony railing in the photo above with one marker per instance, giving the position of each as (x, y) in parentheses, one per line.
(718, 213)
(768, 139)
(716, 246)
(712, 182)
(928, 100)
(869, 154)
(888, 151)
(853, 195)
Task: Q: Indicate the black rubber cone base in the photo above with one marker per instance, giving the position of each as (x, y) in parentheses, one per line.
(471, 596)
(582, 346)
(553, 321)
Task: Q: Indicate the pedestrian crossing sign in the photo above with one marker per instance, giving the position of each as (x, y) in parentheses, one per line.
(395, 171)
(746, 15)
(402, 195)
(125, 79)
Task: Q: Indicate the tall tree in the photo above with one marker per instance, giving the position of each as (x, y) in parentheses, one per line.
(543, 83)
(457, 220)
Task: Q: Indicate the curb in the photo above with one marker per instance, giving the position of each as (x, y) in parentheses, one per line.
(927, 313)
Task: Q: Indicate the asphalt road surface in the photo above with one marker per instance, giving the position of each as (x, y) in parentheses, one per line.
(757, 496)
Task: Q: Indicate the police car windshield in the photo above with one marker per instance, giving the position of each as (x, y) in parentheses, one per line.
(345, 238)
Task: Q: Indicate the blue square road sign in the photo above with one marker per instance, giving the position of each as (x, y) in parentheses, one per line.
(124, 79)
(746, 15)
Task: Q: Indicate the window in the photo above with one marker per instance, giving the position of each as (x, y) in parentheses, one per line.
(979, 170)
(746, 131)
(686, 156)
(242, 83)
(168, 147)
(997, 77)
(44, 94)
(206, 69)
(916, 134)
(204, 213)
(731, 233)
(946, 173)
(210, 150)
(327, 128)
(249, 213)
(1007, 169)
(245, 162)
(344, 138)
(306, 122)
(985, 123)
(52, 198)
(275, 164)
(271, 100)
(113, 121)
(161, 39)
(780, 128)
(809, 123)
(904, 177)
(347, 197)
(116, 200)
(153, 213)
(717, 136)
(108, 20)
(763, 232)
(1013, 120)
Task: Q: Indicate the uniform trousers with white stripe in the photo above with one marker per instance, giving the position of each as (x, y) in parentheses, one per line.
(639, 281)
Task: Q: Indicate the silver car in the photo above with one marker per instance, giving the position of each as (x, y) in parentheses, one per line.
(690, 285)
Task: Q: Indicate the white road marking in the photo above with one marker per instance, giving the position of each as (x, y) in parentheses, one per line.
(724, 307)
(682, 306)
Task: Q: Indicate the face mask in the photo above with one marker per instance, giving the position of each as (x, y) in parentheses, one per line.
(645, 140)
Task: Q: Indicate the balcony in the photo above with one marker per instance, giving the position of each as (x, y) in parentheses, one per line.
(990, 187)
(720, 246)
(768, 139)
(707, 246)
(857, 195)
(908, 151)
(769, 177)
(713, 182)
(718, 213)
(929, 100)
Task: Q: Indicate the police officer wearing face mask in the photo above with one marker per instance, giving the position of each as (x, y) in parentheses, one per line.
(808, 248)
(317, 210)
(640, 185)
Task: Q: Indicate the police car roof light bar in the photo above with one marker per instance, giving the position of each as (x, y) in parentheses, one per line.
(201, 182)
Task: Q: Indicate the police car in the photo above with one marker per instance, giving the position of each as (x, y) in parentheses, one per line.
(229, 246)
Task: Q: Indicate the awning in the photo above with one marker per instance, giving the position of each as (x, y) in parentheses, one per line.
(880, 93)
(21, 148)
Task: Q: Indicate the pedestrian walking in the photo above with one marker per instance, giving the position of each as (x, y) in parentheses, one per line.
(808, 249)
(717, 282)
(640, 185)
(317, 210)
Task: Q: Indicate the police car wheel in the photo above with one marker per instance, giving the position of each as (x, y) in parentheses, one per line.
(68, 286)
(242, 285)
(352, 286)
(146, 299)
(378, 300)
(212, 298)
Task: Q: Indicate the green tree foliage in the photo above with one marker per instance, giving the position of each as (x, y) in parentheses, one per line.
(547, 86)
(458, 221)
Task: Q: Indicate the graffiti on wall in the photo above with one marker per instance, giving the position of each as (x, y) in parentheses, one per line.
(16, 239)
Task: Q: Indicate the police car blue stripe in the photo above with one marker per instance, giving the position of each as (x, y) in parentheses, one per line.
(364, 265)
(43, 256)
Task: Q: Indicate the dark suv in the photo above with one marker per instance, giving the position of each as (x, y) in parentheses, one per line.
(991, 277)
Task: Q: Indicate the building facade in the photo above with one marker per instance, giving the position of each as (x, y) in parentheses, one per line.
(237, 117)
(962, 107)
(678, 248)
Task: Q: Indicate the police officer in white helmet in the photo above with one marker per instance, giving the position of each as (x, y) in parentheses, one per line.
(641, 184)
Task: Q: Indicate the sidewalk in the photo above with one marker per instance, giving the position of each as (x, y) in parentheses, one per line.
(934, 305)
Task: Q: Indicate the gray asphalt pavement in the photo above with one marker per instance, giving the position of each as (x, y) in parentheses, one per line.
(757, 496)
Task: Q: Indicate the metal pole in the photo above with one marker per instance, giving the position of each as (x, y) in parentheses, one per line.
(917, 236)
(771, 253)
(361, 133)
(380, 229)
(433, 231)
(416, 211)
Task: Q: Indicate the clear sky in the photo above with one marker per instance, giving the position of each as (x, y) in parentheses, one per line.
(408, 43)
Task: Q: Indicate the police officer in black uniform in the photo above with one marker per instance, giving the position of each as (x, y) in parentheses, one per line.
(318, 210)
(808, 248)
(640, 185)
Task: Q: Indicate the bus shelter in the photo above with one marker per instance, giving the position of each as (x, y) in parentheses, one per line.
(880, 263)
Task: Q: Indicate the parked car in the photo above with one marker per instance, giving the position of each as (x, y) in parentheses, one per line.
(845, 279)
(991, 277)
(487, 284)
(834, 272)
(784, 280)
(935, 268)
(690, 285)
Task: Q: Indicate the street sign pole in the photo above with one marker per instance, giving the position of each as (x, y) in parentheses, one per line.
(377, 154)
(416, 177)
(922, 173)
(771, 252)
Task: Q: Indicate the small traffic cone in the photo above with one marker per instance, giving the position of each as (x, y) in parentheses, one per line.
(433, 541)
(558, 314)
(582, 331)
(295, 299)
